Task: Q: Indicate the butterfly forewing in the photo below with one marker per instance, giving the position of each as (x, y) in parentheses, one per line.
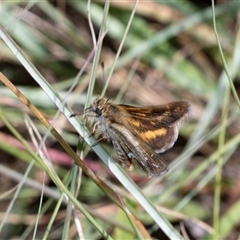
(156, 126)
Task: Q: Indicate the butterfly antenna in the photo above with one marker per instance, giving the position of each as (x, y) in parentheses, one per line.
(103, 75)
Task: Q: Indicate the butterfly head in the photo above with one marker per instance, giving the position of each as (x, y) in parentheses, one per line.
(99, 105)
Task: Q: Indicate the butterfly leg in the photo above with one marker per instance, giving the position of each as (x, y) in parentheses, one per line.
(96, 143)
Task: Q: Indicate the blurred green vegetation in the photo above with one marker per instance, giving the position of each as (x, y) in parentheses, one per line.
(170, 54)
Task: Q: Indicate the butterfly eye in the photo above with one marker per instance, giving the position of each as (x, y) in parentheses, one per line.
(98, 111)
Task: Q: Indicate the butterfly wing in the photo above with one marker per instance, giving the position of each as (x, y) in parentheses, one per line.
(155, 126)
(134, 152)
